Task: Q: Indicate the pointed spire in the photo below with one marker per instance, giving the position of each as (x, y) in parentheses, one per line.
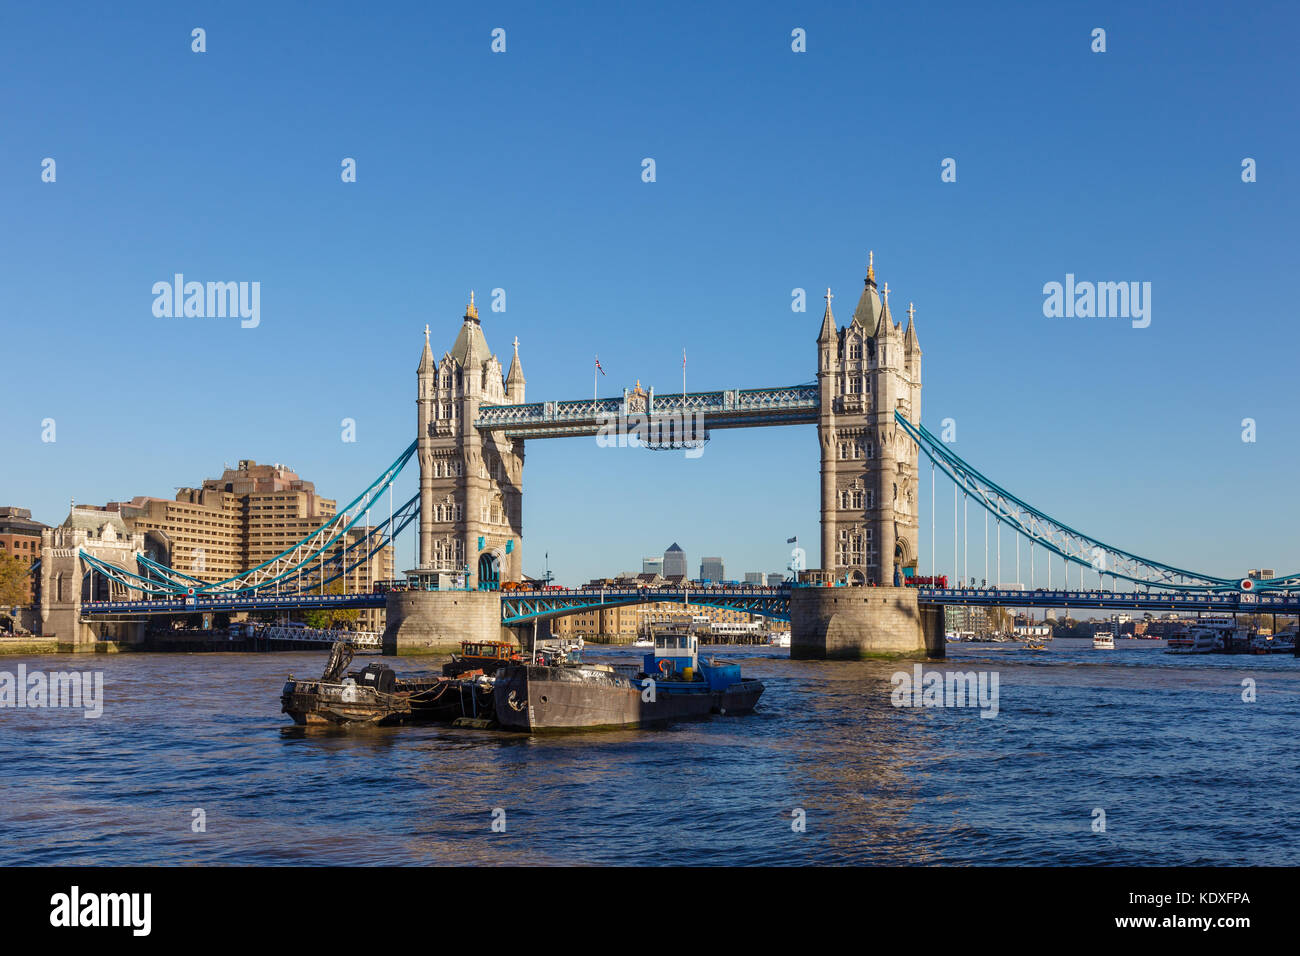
(910, 339)
(426, 357)
(867, 314)
(827, 333)
(473, 355)
(471, 310)
(886, 322)
(516, 374)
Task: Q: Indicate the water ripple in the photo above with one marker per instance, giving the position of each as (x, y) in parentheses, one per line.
(1184, 770)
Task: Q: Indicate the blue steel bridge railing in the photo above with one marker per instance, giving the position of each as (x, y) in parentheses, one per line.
(518, 607)
(1164, 600)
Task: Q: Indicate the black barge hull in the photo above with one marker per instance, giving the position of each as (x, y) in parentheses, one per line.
(328, 703)
(534, 698)
(321, 704)
(739, 698)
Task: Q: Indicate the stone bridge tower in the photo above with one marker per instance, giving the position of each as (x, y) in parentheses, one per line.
(471, 500)
(471, 483)
(866, 371)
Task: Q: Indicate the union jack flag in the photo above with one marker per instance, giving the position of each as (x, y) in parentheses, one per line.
(598, 366)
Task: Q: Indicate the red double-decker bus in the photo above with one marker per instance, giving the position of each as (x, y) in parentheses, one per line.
(938, 581)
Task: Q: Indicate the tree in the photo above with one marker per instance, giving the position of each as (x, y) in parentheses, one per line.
(335, 616)
(13, 581)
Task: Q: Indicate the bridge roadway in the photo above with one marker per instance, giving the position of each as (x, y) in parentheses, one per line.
(519, 606)
(728, 408)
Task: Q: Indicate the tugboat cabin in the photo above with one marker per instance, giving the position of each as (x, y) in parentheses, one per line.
(675, 657)
(676, 661)
(486, 656)
(485, 652)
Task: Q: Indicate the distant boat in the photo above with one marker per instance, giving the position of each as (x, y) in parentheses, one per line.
(1210, 635)
(1283, 643)
(1103, 641)
(779, 639)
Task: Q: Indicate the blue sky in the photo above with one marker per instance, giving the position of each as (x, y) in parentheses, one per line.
(775, 170)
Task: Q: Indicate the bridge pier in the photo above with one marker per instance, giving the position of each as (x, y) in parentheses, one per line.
(858, 621)
(435, 622)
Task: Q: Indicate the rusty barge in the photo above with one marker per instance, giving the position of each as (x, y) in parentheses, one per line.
(375, 695)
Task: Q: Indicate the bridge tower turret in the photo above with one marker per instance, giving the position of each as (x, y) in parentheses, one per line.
(865, 372)
(471, 485)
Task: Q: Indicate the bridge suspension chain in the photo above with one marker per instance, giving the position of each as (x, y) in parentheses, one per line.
(1072, 545)
(310, 554)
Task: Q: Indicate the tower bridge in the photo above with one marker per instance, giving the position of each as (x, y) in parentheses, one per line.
(473, 423)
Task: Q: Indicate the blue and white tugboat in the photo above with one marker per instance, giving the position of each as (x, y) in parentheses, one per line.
(672, 684)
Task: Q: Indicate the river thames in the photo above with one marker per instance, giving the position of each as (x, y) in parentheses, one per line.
(1184, 770)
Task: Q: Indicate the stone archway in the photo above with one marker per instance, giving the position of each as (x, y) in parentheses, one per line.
(904, 557)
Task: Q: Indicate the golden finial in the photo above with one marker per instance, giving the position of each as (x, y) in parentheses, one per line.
(871, 265)
(472, 311)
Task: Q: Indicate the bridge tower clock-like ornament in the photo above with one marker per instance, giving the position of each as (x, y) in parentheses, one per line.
(471, 482)
(865, 372)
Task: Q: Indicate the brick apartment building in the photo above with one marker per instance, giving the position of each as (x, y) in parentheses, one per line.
(246, 517)
(20, 537)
